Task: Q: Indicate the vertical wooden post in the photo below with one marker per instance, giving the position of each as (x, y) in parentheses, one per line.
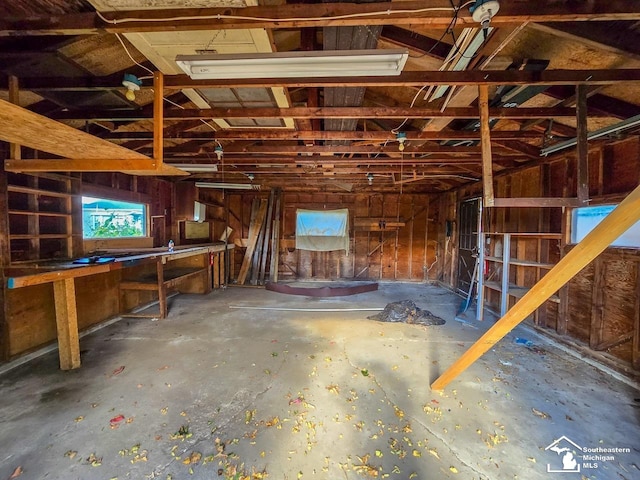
(162, 290)
(635, 353)
(158, 119)
(64, 294)
(615, 224)
(485, 135)
(15, 151)
(582, 145)
(216, 270)
(504, 285)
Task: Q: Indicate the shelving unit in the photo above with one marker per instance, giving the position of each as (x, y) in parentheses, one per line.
(41, 217)
(509, 270)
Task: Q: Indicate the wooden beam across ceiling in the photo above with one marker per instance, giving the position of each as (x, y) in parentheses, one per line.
(324, 112)
(414, 78)
(435, 13)
(18, 125)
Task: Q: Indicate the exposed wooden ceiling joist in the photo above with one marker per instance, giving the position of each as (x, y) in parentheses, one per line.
(311, 15)
(323, 112)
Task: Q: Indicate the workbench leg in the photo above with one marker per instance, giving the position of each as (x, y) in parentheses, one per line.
(216, 270)
(162, 290)
(64, 294)
(222, 279)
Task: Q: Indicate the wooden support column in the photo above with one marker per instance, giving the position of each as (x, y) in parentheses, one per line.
(582, 145)
(485, 135)
(615, 224)
(64, 294)
(635, 349)
(15, 150)
(158, 119)
(162, 289)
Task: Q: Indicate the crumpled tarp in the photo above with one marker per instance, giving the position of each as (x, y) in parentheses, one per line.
(322, 230)
(407, 312)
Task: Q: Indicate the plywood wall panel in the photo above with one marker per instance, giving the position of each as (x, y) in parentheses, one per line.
(580, 301)
(621, 166)
(30, 317)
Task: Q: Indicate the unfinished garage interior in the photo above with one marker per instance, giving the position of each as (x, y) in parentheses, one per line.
(298, 239)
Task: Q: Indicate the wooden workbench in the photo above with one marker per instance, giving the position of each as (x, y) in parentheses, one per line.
(132, 266)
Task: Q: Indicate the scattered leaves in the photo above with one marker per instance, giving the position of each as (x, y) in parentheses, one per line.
(182, 433)
(248, 416)
(453, 469)
(333, 388)
(115, 421)
(94, 461)
(540, 414)
(71, 454)
(364, 372)
(193, 458)
(79, 418)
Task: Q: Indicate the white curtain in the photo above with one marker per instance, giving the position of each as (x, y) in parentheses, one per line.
(322, 230)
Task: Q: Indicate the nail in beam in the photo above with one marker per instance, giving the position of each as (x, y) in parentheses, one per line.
(614, 225)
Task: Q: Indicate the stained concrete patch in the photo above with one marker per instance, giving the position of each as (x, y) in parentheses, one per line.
(306, 395)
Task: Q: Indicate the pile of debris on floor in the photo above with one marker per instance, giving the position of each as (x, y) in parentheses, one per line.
(407, 311)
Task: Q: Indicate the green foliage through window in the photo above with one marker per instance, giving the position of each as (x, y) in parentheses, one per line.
(102, 218)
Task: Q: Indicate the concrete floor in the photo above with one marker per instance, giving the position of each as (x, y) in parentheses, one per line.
(213, 392)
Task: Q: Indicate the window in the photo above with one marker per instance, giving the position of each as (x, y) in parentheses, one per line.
(585, 219)
(322, 231)
(102, 218)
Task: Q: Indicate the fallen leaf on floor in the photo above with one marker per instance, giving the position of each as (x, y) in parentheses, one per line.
(80, 418)
(248, 416)
(117, 371)
(71, 454)
(193, 458)
(531, 459)
(399, 413)
(364, 372)
(434, 452)
(540, 414)
(94, 461)
(333, 388)
(116, 420)
(16, 473)
(568, 418)
(163, 368)
(130, 419)
(453, 469)
(164, 410)
(183, 414)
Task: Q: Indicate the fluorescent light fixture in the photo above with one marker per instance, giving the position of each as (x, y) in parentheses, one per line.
(194, 167)
(228, 186)
(610, 130)
(322, 63)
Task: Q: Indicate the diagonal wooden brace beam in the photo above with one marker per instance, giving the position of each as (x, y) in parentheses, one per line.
(614, 225)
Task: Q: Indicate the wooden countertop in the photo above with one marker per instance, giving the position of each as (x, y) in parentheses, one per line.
(52, 271)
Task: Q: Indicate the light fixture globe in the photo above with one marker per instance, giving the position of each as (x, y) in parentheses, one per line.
(133, 84)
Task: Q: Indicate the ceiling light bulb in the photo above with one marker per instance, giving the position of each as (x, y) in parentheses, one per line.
(133, 84)
(370, 178)
(250, 176)
(218, 151)
(401, 137)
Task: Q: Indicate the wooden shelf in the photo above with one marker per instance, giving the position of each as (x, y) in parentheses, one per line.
(39, 214)
(542, 236)
(171, 277)
(41, 236)
(516, 291)
(507, 283)
(522, 263)
(37, 191)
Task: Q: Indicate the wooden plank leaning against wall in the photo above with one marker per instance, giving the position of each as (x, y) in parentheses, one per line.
(378, 252)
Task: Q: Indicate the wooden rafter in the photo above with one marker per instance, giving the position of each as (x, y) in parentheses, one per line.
(309, 15)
